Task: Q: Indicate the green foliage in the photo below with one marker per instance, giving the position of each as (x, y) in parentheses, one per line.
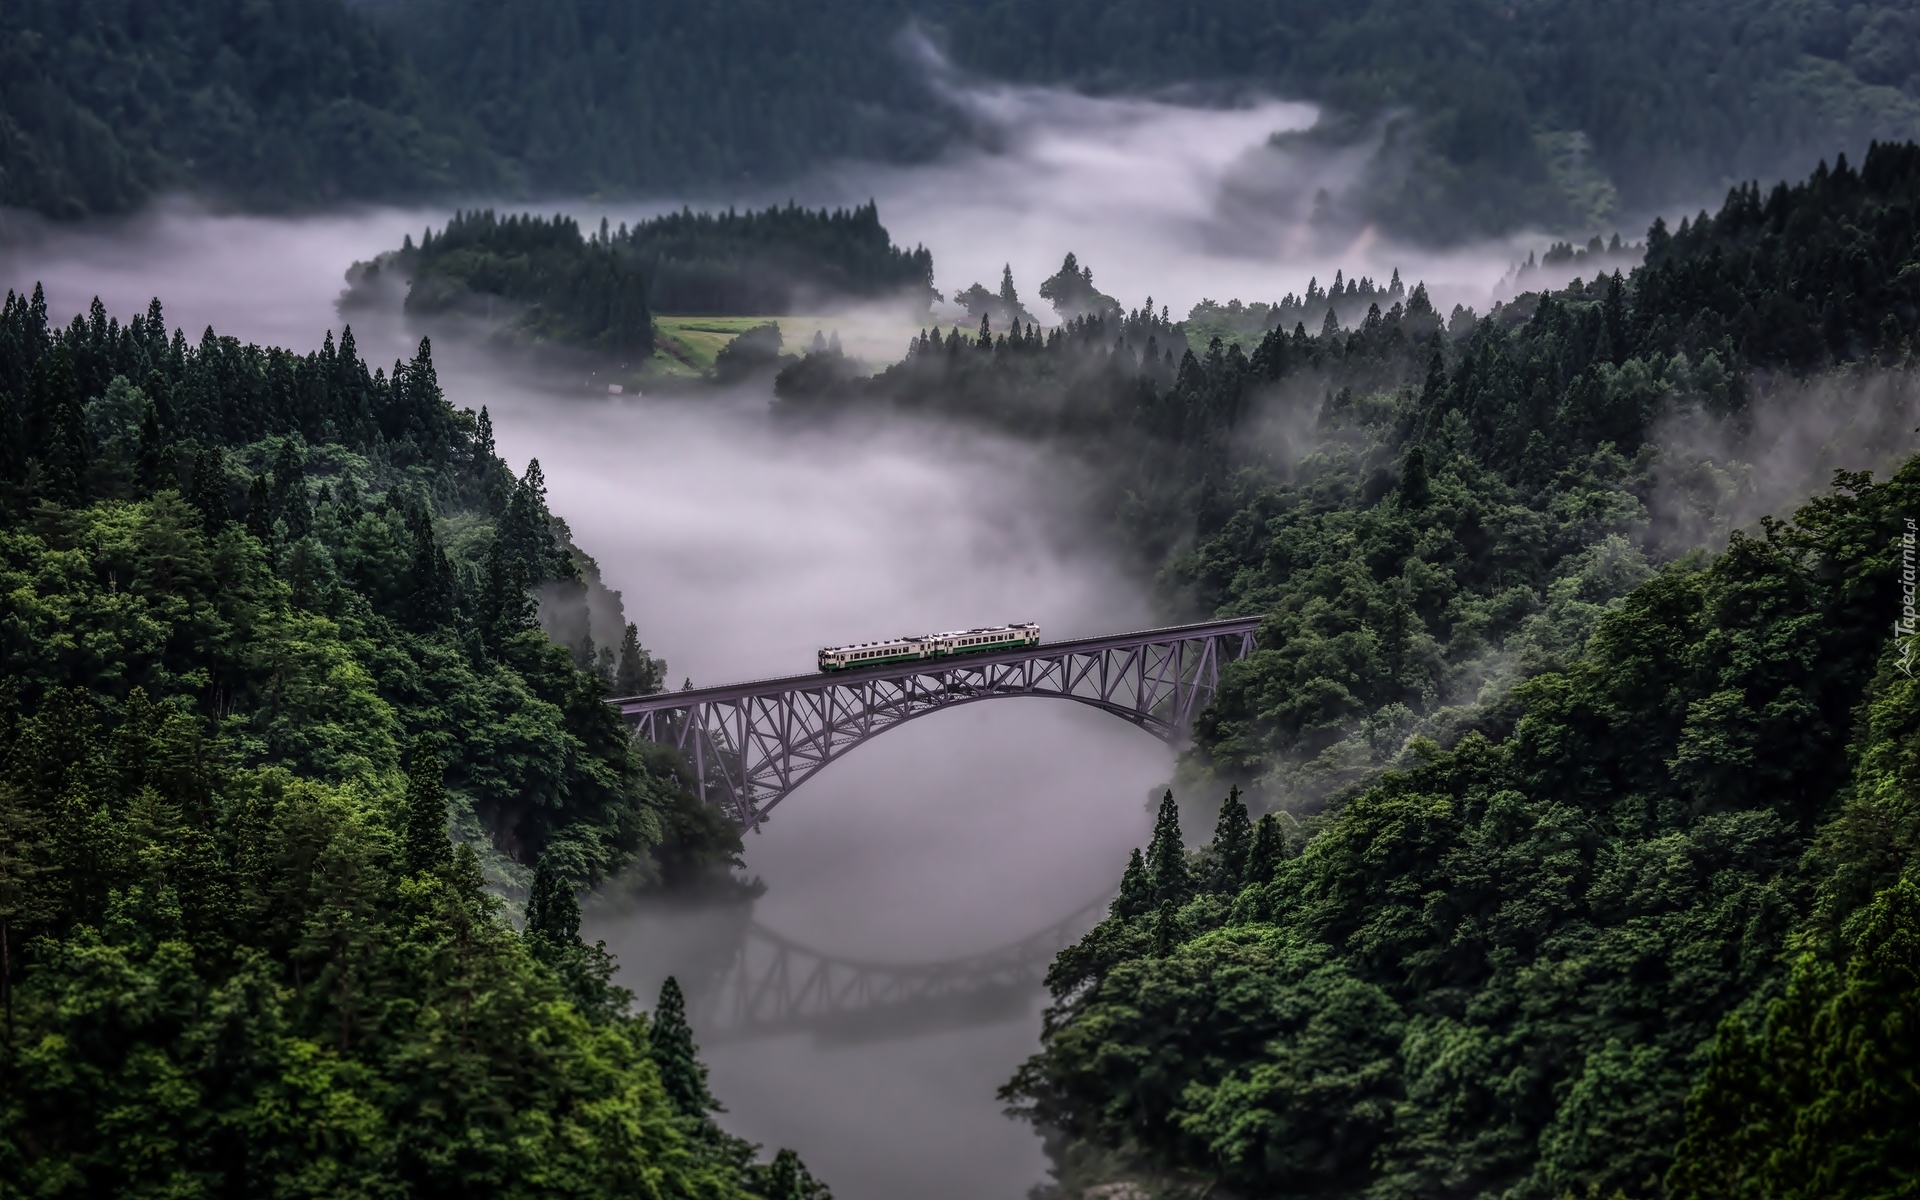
(1227, 855)
(242, 989)
(557, 285)
(424, 848)
(599, 291)
(1645, 923)
(752, 352)
(1823, 1101)
(1071, 292)
(105, 103)
(1473, 117)
(787, 1178)
(238, 952)
(775, 261)
(1167, 864)
(1000, 309)
(670, 1046)
(1813, 1092)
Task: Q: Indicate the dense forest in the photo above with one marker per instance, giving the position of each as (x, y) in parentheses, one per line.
(300, 679)
(1586, 852)
(540, 280)
(1475, 115)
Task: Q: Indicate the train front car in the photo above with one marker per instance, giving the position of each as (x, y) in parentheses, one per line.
(872, 654)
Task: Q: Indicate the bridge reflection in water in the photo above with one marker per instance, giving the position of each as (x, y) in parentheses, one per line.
(774, 985)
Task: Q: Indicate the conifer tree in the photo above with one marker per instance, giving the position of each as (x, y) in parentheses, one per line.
(505, 607)
(1415, 486)
(12, 437)
(208, 493)
(1613, 310)
(1167, 856)
(429, 576)
(483, 451)
(1136, 890)
(1166, 928)
(553, 913)
(1232, 838)
(1263, 857)
(426, 846)
(65, 453)
(670, 1045)
(638, 673)
(21, 902)
(290, 503)
(787, 1178)
(260, 511)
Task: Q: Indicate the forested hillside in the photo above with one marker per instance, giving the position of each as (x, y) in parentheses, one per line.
(269, 637)
(1557, 804)
(1480, 115)
(539, 279)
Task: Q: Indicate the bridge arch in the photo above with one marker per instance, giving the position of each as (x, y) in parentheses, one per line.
(752, 744)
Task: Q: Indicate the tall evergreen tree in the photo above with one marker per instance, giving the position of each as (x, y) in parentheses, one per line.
(208, 492)
(787, 1178)
(1136, 890)
(65, 453)
(1232, 838)
(1167, 856)
(290, 502)
(12, 438)
(505, 607)
(1166, 928)
(1416, 488)
(638, 673)
(670, 1045)
(553, 912)
(1263, 857)
(425, 845)
(260, 510)
(429, 576)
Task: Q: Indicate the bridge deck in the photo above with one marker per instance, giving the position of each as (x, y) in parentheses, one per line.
(634, 705)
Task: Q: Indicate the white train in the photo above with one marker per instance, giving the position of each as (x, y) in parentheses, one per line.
(930, 645)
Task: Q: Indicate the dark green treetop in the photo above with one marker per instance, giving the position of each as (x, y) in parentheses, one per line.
(426, 847)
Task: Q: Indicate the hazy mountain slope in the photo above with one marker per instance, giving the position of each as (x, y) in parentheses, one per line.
(1482, 115)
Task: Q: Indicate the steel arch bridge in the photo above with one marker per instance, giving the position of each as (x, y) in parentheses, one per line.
(774, 985)
(751, 744)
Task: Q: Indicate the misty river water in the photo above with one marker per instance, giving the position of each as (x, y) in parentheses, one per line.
(740, 546)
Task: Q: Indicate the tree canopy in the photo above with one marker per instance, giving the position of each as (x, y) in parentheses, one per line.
(281, 723)
(1474, 116)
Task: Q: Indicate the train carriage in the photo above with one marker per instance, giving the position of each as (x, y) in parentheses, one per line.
(930, 645)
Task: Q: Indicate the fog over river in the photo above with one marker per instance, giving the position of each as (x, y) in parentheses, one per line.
(741, 546)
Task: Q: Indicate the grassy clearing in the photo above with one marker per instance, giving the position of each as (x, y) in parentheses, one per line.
(687, 345)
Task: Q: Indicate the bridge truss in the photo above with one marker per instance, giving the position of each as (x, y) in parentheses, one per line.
(752, 744)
